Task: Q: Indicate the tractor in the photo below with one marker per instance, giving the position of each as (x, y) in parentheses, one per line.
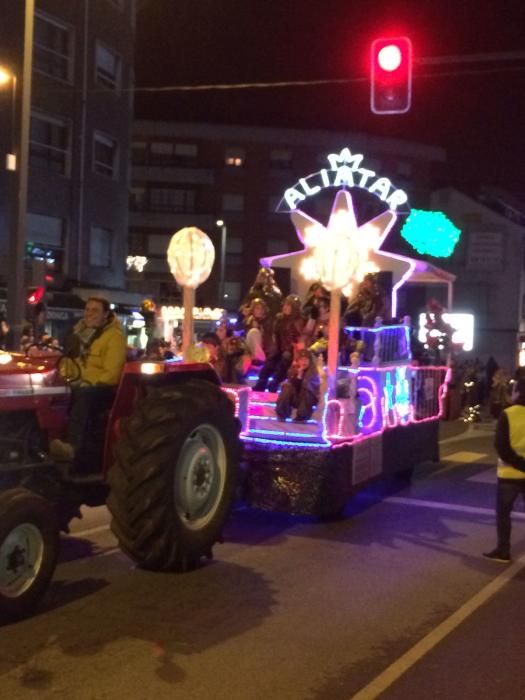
(165, 460)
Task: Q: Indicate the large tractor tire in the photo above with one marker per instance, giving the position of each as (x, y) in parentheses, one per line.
(174, 476)
(29, 543)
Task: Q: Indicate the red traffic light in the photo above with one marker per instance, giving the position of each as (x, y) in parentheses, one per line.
(35, 295)
(391, 75)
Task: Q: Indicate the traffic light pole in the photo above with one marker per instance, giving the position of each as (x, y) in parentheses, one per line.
(16, 292)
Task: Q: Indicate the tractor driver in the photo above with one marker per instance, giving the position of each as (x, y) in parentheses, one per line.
(96, 351)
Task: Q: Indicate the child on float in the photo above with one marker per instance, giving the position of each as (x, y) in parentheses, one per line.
(288, 330)
(259, 332)
(234, 354)
(301, 389)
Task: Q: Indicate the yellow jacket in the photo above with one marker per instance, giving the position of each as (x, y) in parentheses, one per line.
(510, 443)
(103, 360)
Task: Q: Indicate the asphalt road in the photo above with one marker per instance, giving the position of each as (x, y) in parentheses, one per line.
(393, 601)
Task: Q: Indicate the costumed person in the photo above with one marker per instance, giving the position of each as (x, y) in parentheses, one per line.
(510, 446)
(439, 332)
(264, 288)
(214, 353)
(97, 352)
(368, 304)
(235, 355)
(315, 332)
(499, 393)
(259, 332)
(301, 389)
(288, 329)
(315, 295)
(148, 311)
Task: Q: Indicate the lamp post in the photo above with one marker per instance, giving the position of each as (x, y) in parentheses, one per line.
(20, 162)
(224, 237)
(8, 77)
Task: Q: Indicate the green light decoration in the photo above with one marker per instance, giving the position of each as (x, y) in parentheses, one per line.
(431, 233)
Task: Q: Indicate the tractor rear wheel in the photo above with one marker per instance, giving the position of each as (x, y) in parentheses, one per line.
(29, 541)
(173, 480)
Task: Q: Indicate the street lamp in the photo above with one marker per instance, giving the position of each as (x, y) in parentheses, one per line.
(8, 77)
(20, 162)
(224, 236)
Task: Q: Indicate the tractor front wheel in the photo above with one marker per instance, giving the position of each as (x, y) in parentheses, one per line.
(29, 541)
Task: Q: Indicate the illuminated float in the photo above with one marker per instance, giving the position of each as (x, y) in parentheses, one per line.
(378, 413)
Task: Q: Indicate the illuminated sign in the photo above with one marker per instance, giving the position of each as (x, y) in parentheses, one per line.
(176, 313)
(345, 171)
(463, 325)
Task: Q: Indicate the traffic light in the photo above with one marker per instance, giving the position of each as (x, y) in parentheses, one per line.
(391, 75)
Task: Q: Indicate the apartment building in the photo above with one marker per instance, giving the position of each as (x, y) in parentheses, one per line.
(187, 174)
(81, 111)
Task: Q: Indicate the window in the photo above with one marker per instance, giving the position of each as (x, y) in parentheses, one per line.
(280, 159)
(107, 66)
(52, 48)
(233, 202)
(162, 153)
(138, 152)
(137, 242)
(49, 144)
(137, 198)
(186, 150)
(45, 240)
(171, 199)
(234, 157)
(234, 248)
(100, 246)
(104, 155)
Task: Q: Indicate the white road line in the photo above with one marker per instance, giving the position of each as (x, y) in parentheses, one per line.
(419, 650)
(439, 505)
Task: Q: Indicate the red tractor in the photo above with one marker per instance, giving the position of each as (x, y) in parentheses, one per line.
(166, 459)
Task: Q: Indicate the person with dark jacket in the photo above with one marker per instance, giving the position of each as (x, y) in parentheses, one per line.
(288, 330)
(510, 447)
(301, 389)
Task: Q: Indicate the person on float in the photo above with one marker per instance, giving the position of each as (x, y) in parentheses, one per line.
(301, 389)
(510, 447)
(367, 304)
(96, 349)
(264, 288)
(260, 339)
(315, 332)
(288, 329)
(236, 357)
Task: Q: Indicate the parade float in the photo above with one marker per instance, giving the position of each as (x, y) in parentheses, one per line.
(378, 412)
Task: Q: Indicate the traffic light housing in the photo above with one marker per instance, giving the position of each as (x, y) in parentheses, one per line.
(391, 75)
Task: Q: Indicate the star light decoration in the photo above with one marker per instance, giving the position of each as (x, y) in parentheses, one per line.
(342, 253)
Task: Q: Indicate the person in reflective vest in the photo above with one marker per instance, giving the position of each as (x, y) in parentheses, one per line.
(510, 447)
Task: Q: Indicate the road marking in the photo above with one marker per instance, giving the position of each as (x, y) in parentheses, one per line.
(456, 459)
(439, 505)
(487, 476)
(391, 674)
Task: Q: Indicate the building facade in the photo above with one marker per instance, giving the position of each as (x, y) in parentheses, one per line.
(81, 112)
(489, 264)
(197, 174)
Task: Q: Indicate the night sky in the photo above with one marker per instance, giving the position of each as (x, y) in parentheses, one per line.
(476, 111)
